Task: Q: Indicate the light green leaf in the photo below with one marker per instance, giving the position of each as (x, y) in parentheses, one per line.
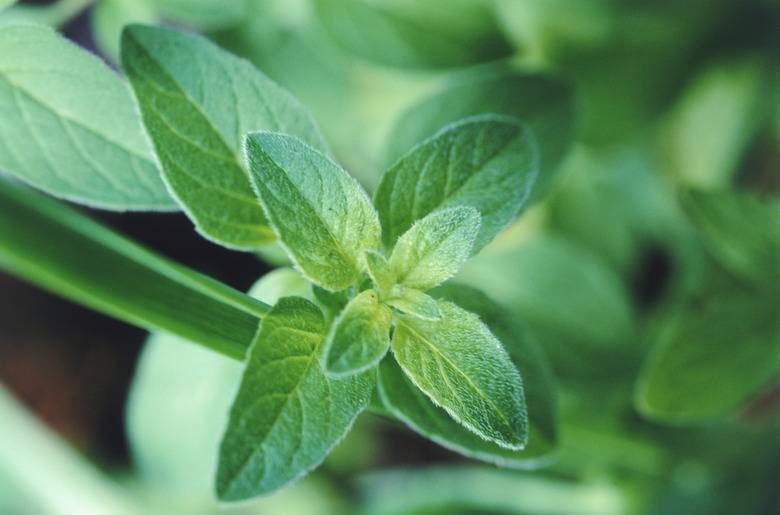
(380, 272)
(743, 232)
(409, 33)
(462, 367)
(413, 302)
(360, 337)
(485, 162)
(713, 360)
(435, 247)
(108, 17)
(205, 15)
(197, 102)
(543, 102)
(288, 414)
(321, 214)
(6, 3)
(68, 125)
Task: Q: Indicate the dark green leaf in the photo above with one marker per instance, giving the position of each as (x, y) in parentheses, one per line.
(360, 337)
(409, 33)
(197, 102)
(459, 364)
(712, 360)
(321, 214)
(68, 125)
(288, 414)
(543, 102)
(486, 162)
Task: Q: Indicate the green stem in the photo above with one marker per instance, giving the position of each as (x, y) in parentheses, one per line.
(65, 252)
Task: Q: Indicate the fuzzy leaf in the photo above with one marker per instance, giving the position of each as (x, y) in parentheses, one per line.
(197, 101)
(380, 272)
(462, 367)
(288, 414)
(68, 126)
(435, 247)
(485, 162)
(360, 337)
(543, 102)
(321, 214)
(413, 302)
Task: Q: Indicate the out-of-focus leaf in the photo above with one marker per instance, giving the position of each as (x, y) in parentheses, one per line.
(409, 33)
(543, 102)
(204, 14)
(743, 232)
(68, 125)
(712, 360)
(108, 17)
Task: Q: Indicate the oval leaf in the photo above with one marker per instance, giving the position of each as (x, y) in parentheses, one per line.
(486, 162)
(459, 364)
(435, 247)
(543, 102)
(197, 102)
(288, 414)
(322, 216)
(69, 127)
(413, 302)
(360, 337)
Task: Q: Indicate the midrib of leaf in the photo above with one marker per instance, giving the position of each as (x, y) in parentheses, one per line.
(296, 392)
(18, 89)
(468, 379)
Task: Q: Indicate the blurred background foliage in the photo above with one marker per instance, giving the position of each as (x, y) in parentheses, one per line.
(647, 267)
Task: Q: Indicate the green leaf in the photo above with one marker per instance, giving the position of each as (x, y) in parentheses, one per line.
(381, 272)
(360, 337)
(205, 15)
(6, 3)
(413, 302)
(65, 252)
(433, 249)
(68, 125)
(321, 214)
(197, 102)
(743, 232)
(485, 162)
(108, 18)
(543, 102)
(461, 366)
(712, 360)
(408, 33)
(288, 414)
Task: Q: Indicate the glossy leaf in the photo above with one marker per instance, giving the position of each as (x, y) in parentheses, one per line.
(544, 102)
(713, 360)
(321, 214)
(408, 33)
(413, 302)
(488, 163)
(68, 125)
(433, 249)
(197, 102)
(743, 232)
(359, 337)
(288, 414)
(461, 366)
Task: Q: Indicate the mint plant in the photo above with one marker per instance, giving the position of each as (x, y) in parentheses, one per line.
(247, 164)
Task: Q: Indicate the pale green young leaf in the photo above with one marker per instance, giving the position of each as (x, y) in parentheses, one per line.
(359, 337)
(486, 162)
(332, 302)
(544, 102)
(458, 363)
(197, 102)
(68, 125)
(433, 249)
(712, 360)
(380, 271)
(322, 216)
(413, 302)
(288, 414)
